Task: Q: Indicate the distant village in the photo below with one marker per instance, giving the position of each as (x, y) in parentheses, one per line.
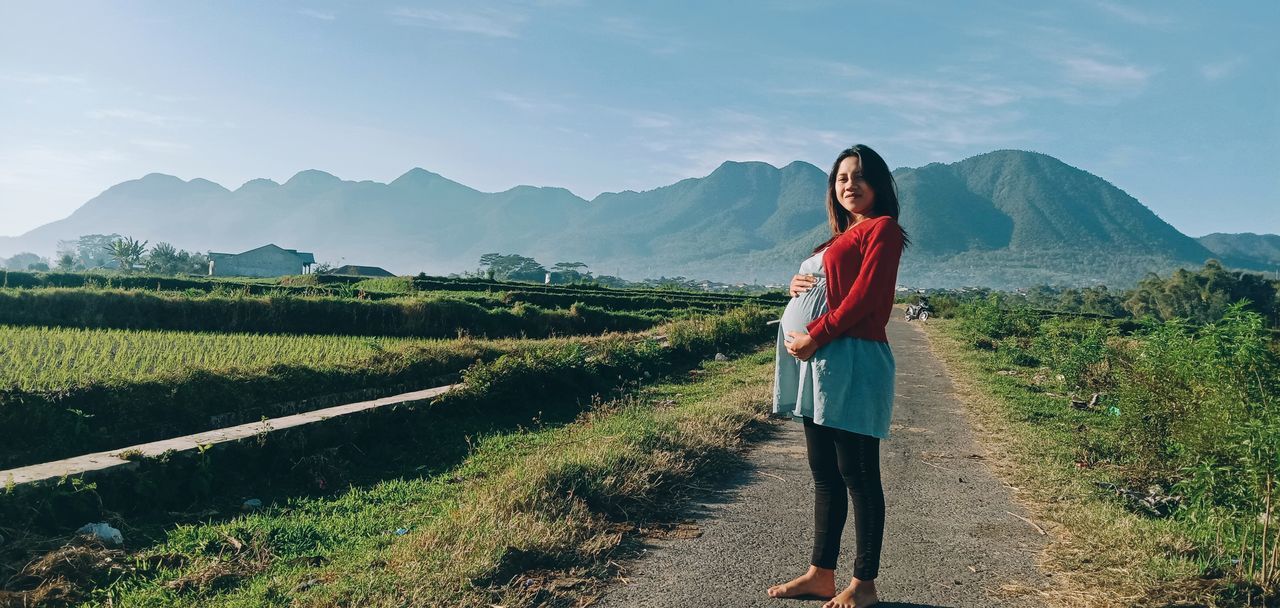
(115, 253)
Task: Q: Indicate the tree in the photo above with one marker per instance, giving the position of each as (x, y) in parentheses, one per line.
(126, 252)
(570, 272)
(1202, 296)
(167, 259)
(66, 262)
(90, 250)
(25, 261)
(512, 267)
(198, 263)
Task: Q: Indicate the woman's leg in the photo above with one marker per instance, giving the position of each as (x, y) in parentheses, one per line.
(859, 460)
(830, 507)
(829, 510)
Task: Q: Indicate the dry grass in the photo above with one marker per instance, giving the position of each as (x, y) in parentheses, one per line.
(62, 576)
(1100, 555)
(545, 529)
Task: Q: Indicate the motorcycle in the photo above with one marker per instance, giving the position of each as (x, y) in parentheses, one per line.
(920, 311)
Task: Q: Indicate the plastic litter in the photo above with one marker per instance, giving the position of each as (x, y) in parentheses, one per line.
(253, 504)
(1113, 411)
(401, 531)
(721, 357)
(1153, 502)
(103, 532)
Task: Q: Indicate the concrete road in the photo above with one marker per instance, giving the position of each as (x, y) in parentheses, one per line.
(950, 539)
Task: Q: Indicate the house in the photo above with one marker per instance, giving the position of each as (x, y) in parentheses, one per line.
(352, 270)
(265, 261)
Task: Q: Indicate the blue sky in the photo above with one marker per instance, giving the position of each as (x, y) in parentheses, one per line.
(1178, 103)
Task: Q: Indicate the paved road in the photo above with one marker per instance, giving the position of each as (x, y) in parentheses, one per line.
(949, 537)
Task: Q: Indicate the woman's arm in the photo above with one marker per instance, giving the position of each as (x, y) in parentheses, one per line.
(881, 251)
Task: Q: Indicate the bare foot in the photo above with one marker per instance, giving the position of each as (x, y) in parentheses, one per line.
(817, 582)
(859, 594)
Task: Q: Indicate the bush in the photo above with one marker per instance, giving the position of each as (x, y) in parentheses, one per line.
(986, 322)
(1199, 407)
(1077, 349)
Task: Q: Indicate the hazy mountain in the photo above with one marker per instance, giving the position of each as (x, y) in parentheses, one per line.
(1006, 218)
(1246, 249)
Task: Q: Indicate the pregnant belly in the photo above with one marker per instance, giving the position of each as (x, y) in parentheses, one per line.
(804, 308)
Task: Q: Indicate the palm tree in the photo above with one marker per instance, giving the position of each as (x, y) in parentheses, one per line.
(126, 252)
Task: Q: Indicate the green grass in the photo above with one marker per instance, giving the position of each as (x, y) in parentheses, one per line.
(65, 392)
(1103, 554)
(52, 359)
(524, 510)
(430, 316)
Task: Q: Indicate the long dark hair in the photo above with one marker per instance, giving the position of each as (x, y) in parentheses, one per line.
(878, 176)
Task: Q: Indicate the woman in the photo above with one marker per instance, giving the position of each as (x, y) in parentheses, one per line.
(836, 373)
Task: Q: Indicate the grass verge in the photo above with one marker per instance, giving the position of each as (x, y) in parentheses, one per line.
(532, 517)
(1102, 554)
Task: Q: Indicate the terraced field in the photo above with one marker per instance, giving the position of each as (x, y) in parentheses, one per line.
(88, 365)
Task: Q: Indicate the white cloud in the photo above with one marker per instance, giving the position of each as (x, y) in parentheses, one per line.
(1092, 71)
(42, 183)
(141, 116)
(655, 39)
(1088, 72)
(44, 79)
(38, 165)
(315, 14)
(528, 104)
(1221, 69)
(695, 147)
(915, 96)
(159, 145)
(486, 22)
(1137, 16)
(652, 120)
(842, 69)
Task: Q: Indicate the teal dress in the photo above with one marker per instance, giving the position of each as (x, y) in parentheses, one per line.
(847, 384)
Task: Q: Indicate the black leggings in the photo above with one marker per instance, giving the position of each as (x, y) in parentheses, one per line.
(840, 459)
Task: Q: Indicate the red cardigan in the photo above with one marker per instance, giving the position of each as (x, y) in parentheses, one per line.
(862, 273)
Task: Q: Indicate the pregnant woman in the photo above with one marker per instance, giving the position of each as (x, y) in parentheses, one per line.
(834, 371)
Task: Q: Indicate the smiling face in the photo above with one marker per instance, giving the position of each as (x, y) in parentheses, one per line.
(852, 191)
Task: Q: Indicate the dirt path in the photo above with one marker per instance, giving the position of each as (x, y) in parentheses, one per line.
(950, 537)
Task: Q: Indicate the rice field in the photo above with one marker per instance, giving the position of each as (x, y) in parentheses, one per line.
(44, 359)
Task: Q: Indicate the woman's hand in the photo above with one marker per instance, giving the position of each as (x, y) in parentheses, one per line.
(802, 283)
(801, 346)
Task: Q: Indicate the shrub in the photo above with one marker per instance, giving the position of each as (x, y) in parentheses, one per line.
(985, 322)
(1196, 401)
(1077, 349)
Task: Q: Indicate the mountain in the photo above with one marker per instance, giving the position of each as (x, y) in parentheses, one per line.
(1004, 219)
(1246, 249)
(1014, 218)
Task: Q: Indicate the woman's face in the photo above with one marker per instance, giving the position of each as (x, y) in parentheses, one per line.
(851, 190)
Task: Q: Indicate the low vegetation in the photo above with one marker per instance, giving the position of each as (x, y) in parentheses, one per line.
(424, 317)
(1167, 430)
(528, 515)
(71, 391)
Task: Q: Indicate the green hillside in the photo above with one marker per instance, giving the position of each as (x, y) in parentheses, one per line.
(1003, 219)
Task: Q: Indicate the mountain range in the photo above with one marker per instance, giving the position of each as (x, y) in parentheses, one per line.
(1002, 219)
